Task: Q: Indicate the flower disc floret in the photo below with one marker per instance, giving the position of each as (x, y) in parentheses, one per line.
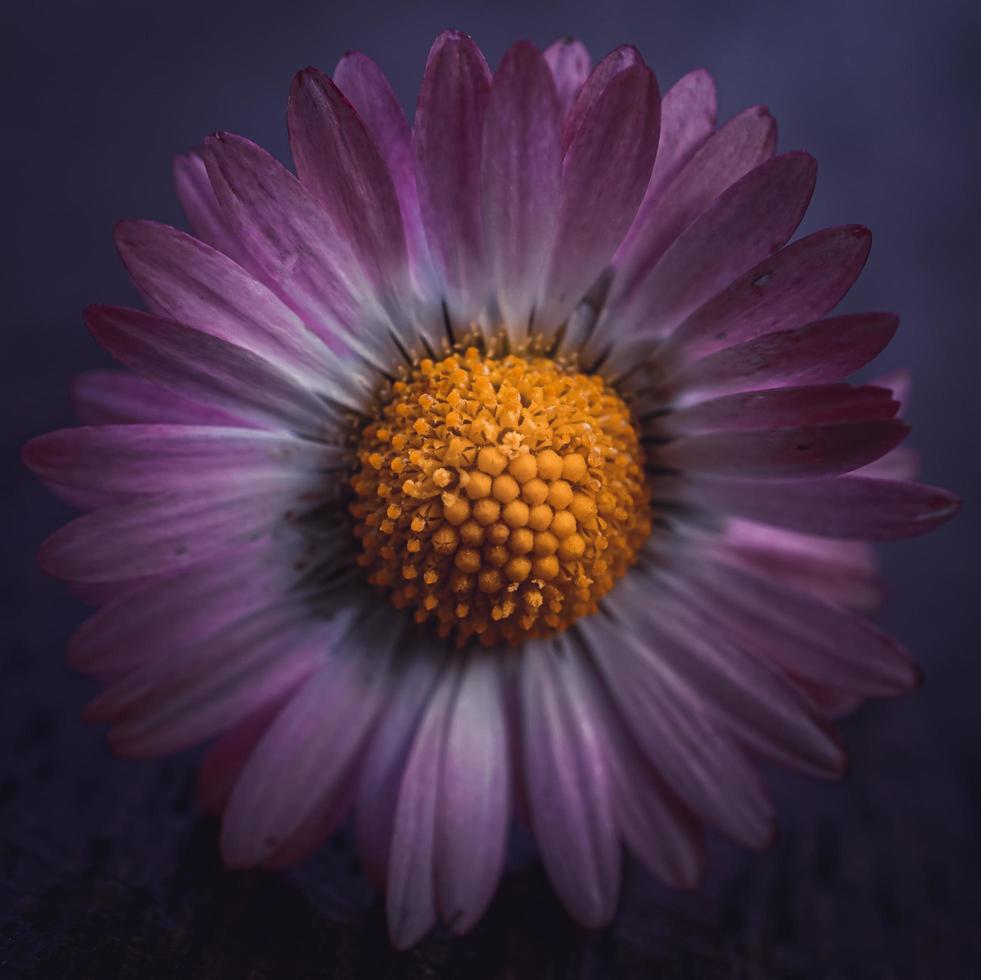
(500, 497)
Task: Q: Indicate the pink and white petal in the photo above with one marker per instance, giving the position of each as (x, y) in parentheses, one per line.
(746, 224)
(654, 824)
(314, 269)
(304, 762)
(227, 755)
(368, 90)
(184, 280)
(570, 63)
(688, 113)
(167, 705)
(775, 408)
(903, 463)
(411, 900)
(593, 88)
(604, 175)
(167, 532)
(567, 784)
(183, 610)
(203, 368)
(745, 694)
(707, 771)
(385, 761)
(448, 136)
(820, 353)
(843, 573)
(474, 795)
(339, 163)
(796, 452)
(791, 288)
(725, 157)
(147, 459)
(102, 397)
(851, 507)
(804, 636)
(521, 168)
(204, 213)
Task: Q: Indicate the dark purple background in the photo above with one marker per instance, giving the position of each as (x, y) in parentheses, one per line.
(105, 867)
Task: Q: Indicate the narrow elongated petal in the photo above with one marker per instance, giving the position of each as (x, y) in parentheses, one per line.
(794, 286)
(845, 507)
(448, 138)
(569, 62)
(205, 368)
(820, 353)
(339, 162)
(163, 533)
(520, 180)
(568, 790)
(187, 281)
(748, 222)
(208, 222)
(304, 760)
(368, 90)
(118, 397)
(705, 768)
(474, 805)
(146, 459)
(604, 174)
(799, 452)
(725, 157)
(592, 89)
(778, 407)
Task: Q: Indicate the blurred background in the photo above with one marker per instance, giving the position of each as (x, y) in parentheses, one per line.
(106, 867)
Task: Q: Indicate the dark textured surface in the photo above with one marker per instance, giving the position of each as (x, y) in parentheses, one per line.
(107, 869)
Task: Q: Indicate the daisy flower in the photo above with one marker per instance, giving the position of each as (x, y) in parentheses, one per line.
(498, 467)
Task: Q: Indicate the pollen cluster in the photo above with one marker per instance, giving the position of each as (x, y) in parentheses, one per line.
(500, 498)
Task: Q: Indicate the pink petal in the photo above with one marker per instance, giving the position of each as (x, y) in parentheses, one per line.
(567, 783)
(140, 626)
(794, 286)
(366, 87)
(146, 459)
(725, 157)
(804, 636)
(705, 769)
(747, 223)
(204, 368)
(745, 694)
(204, 213)
(820, 353)
(843, 573)
(114, 397)
(593, 89)
(569, 62)
(903, 463)
(226, 757)
(474, 795)
(411, 903)
(448, 134)
(297, 247)
(164, 533)
(184, 280)
(687, 121)
(385, 761)
(839, 507)
(170, 704)
(303, 763)
(520, 178)
(779, 407)
(798, 452)
(604, 174)
(339, 163)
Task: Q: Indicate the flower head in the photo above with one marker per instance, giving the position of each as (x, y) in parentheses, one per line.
(504, 466)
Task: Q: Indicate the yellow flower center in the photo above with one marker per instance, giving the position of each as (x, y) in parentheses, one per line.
(499, 497)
